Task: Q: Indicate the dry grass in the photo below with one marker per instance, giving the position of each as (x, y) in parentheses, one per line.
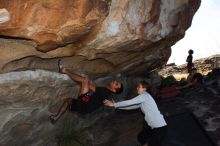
(179, 76)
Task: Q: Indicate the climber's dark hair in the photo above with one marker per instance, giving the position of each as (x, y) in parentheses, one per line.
(144, 84)
(119, 90)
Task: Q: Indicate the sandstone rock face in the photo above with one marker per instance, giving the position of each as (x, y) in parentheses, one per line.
(27, 98)
(128, 37)
(98, 38)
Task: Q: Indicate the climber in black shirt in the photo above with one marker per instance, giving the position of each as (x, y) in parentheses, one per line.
(90, 97)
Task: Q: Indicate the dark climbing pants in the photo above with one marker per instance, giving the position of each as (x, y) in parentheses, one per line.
(152, 137)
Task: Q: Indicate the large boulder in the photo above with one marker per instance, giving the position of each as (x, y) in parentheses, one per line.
(128, 37)
(28, 98)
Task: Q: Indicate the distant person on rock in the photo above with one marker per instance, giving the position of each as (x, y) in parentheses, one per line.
(90, 97)
(189, 61)
(155, 127)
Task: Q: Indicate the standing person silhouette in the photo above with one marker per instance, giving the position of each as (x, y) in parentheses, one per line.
(189, 61)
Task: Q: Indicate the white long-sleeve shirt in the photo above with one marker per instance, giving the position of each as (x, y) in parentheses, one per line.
(148, 106)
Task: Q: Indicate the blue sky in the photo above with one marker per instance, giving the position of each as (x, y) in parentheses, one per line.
(203, 36)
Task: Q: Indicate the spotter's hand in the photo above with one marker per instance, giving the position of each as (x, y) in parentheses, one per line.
(109, 103)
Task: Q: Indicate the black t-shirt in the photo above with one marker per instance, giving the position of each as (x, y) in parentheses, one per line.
(103, 93)
(189, 59)
(94, 100)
